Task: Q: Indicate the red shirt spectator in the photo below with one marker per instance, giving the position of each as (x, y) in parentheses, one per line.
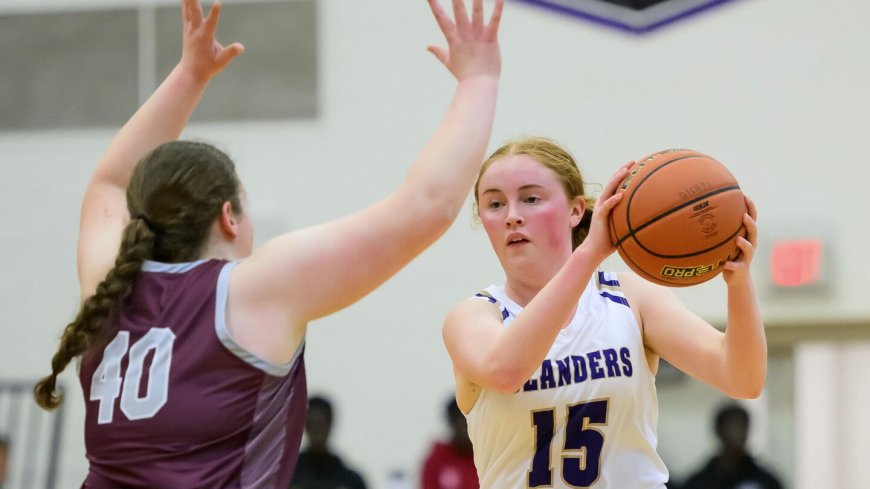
(450, 465)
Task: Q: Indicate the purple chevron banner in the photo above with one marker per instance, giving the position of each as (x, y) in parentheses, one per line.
(635, 16)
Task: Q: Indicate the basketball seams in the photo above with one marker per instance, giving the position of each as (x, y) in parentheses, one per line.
(641, 203)
(688, 255)
(633, 233)
(636, 268)
(644, 178)
(624, 187)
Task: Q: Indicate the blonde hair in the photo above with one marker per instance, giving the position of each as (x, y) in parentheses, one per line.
(558, 159)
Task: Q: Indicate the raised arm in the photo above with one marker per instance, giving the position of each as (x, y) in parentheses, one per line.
(160, 119)
(486, 354)
(307, 274)
(735, 362)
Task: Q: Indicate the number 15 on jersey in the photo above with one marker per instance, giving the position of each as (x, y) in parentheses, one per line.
(581, 449)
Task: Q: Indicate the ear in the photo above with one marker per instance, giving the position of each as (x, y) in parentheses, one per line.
(228, 222)
(578, 207)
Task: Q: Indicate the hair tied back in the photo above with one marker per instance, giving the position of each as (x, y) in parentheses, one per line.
(150, 224)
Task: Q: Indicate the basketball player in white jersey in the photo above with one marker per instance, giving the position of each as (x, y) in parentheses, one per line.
(555, 369)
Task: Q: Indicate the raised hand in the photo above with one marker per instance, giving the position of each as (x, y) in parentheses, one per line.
(202, 54)
(472, 45)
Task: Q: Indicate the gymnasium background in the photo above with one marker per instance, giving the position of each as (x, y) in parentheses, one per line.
(333, 100)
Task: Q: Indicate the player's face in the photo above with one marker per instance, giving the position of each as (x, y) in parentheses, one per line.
(525, 212)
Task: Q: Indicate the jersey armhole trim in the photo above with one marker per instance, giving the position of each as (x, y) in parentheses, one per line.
(223, 333)
(160, 267)
(489, 298)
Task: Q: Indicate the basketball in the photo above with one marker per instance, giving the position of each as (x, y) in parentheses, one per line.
(679, 217)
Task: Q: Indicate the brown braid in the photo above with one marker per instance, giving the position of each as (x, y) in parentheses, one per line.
(175, 194)
(79, 335)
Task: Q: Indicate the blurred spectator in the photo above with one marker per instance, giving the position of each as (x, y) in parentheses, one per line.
(4, 459)
(450, 464)
(318, 467)
(732, 467)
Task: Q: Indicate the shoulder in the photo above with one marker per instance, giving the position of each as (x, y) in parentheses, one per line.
(480, 305)
(698, 479)
(353, 478)
(766, 476)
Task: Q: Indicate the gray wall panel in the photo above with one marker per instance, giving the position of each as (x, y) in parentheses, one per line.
(67, 70)
(275, 78)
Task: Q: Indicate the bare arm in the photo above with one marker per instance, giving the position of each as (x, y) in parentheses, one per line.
(486, 354)
(160, 119)
(307, 274)
(735, 362)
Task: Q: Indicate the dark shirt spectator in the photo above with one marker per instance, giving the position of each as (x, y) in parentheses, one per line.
(4, 459)
(732, 467)
(318, 466)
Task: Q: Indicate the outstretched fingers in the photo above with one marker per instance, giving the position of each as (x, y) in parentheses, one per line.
(448, 28)
(191, 12)
(494, 21)
(472, 49)
(228, 53)
(214, 15)
(444, 23)
(477, 16)
(460, 15)
(202, 54)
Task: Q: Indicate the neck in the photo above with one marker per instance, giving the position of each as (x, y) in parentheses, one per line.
(462, 445)
(219, 254)
(220, 249)
(524, 283)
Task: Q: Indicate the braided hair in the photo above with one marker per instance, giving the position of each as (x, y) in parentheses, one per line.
(174, 195)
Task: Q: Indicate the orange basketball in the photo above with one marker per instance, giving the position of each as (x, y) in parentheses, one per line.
(679, 218)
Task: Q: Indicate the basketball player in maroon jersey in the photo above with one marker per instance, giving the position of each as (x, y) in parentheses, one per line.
(191, 342)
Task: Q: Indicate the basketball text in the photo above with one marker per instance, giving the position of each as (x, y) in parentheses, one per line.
(695, 189)
(669, 271)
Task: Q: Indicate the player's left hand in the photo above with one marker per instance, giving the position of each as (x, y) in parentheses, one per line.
(598, 240)
(202, 55)
(736, 271)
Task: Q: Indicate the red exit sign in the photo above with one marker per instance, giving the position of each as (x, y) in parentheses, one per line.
(797, 262)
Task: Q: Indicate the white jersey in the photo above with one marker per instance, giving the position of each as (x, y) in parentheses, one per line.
(587, 417)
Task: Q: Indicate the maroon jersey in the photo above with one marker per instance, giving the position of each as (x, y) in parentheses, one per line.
(173, 401)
